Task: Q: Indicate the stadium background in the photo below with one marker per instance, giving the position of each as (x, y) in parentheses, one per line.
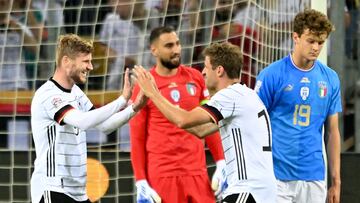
(260, 27)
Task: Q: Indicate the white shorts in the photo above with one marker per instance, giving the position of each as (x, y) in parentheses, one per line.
(301, 191)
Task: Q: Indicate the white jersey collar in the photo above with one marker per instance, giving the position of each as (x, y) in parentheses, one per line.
(300, 69)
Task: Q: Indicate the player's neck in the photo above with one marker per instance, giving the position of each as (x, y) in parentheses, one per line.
(301, 62)
(226, 83)
(61, 78)
(163, 71)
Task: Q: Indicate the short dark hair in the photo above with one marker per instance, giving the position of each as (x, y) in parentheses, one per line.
(315, 21)
(156, 32)
(226, 55)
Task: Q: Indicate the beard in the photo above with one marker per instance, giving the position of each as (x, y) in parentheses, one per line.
(76, 76)
(169, 64)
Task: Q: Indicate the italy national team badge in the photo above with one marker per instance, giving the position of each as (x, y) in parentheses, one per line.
(304, 93)
(175, 95)
(322, 89)
(191, 88)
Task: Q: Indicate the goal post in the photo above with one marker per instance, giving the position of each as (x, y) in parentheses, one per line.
(321, 5)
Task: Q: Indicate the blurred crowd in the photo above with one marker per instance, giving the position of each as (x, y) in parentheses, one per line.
(120, 31)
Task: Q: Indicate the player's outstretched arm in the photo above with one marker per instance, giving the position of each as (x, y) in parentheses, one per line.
(203, 130)
(86, 120)
(122, 117)
(93, 118)
(180, 117)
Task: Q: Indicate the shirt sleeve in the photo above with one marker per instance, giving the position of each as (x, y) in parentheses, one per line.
(89, 119)
(215, 146)
(117, 120)
(219, 107)
(335, 105)
(56, 107)
(138, 129)
(264, 88)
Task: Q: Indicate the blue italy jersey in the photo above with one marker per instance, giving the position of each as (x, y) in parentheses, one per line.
(298, 103)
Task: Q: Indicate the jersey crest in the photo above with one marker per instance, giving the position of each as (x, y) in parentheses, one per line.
(191, 88)
(175, 95)
(322, 89)
(57, 102)
(304, 93)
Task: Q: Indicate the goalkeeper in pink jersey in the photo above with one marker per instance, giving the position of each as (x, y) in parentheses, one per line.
(169, 162)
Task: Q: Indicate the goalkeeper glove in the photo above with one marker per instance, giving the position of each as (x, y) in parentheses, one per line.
(218, 182)
(145, 194)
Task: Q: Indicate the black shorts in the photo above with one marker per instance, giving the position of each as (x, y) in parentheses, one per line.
(239, 198)
(56, 197)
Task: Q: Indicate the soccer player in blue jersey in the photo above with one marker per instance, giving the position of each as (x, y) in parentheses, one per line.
(302, 95)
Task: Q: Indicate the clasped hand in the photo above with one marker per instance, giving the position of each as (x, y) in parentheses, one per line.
(145, 81)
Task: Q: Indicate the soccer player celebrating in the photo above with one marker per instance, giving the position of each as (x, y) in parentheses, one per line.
(168, 162)
(300, 94)
(239, 114)
(60, 114)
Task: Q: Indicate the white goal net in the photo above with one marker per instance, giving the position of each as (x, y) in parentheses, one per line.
(120, 31)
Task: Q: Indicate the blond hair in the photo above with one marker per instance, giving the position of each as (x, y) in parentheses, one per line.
(71, 45)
